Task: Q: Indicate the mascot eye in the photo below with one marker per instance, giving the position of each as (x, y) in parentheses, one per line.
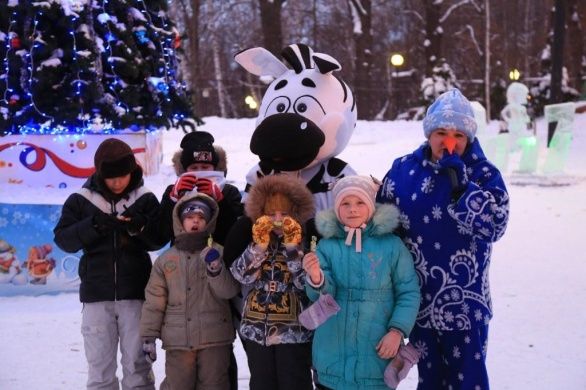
(310, 108)
(278, 105)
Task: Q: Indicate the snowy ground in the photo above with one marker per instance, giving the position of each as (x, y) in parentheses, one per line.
(537, 337)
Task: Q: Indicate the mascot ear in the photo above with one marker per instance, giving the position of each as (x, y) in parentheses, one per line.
(260, 62)
(326, 63)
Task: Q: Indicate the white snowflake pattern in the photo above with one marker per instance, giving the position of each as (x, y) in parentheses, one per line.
(3, 222)
(427, 185)
(477, 387)
(449, 316)
(412, 172)
(455, 294)
(461, 377)
(436, 211)
(477, 356)
(446, 297)
(467, 339)
(465, 308)
(477, 315)
(414, 196)
(437, 246)
(389, 188)
(419, 240)
(486, 217)
(425, 219)
(428, 297)
(404, 221)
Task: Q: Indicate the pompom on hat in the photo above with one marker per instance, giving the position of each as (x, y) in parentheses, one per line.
(198, 147)
(451, 110)
(364, 187)
(114, 158)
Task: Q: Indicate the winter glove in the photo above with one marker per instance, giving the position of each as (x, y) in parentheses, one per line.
(149, 348)
(211, 256)
(105, 223)
(291, 232)
(210, 188)
(185, 183)
(135, 223)
(261, 231)
(397, 370)
(456, 170)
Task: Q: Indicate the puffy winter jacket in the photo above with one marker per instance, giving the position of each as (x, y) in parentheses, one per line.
(114, 266)
(376, 289)
(450, 239)
(186, 306)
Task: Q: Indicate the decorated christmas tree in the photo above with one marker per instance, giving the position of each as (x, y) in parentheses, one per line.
(77, 66)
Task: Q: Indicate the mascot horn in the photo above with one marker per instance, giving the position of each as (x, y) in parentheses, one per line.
(305, 119)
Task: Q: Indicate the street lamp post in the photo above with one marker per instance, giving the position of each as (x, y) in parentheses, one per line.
(396, 60)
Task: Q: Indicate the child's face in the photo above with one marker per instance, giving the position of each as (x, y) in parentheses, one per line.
(440, 140)
(353, 211)
(117, 185)
(194, 223)
(277, 218)
(199, 166)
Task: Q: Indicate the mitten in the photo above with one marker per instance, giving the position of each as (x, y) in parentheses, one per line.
(184, 183)
(319, 312)
(456, 170)
(211, 256)
(261, 231)
(397, 370)
(210, 188)
(291, 232)
(105, 223)
(149, 348)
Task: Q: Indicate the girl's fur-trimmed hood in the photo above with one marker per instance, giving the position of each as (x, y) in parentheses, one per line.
(384, 221)
(303, 207)
(222, 161)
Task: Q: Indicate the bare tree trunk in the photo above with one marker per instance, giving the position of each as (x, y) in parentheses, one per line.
(362, 18)
(487, 59)
(576, 44)
(433, 35)
(217, 66)
(270, 18)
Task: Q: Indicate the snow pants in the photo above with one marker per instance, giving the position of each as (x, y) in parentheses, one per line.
(204, 369)
(454, 360)
(103, 326)
(279, 367)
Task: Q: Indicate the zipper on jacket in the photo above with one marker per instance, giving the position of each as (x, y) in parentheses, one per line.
(113, 209)
(270, 293)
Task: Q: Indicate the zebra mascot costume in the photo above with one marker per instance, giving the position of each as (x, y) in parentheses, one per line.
(306, 118)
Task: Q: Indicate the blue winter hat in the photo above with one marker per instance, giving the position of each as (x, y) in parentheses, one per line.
(451, 110)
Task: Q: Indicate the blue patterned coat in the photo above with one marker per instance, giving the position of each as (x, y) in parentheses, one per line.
(450, 240)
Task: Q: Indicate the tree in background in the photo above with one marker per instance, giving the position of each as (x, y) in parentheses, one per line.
(77, 65)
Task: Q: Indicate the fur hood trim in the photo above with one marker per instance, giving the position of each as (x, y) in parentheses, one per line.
(222, 161)
(211, 225)
(293, 188)
(384, 221)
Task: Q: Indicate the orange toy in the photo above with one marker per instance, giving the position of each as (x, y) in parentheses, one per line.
(450, 143)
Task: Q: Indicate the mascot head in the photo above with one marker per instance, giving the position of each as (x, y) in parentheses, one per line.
(307, 114)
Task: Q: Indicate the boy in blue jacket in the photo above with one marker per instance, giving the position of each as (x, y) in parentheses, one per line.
(454, 205)
(370, 274)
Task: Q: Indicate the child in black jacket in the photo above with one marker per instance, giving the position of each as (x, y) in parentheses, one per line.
(112, 219)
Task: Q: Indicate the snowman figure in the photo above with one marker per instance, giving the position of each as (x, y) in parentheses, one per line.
(10, 271)
(515, 112)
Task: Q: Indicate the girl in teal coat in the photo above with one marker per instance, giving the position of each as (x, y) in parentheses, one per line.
(370, 274)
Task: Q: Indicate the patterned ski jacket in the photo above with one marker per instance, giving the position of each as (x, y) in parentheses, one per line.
(450, 239)
(276, 295)
(376, 289)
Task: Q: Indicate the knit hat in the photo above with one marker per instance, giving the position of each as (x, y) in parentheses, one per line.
(6, 247)
(363, 187)
(114, 158)
(198, 147)
(195, 207)
(451, 110)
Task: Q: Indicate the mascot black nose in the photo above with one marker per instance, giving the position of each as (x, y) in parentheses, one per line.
(286, 142)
